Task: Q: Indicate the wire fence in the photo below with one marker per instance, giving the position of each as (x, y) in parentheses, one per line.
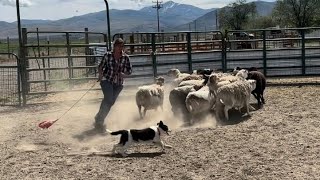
(9, 81)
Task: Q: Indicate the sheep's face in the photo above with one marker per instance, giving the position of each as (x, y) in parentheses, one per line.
(160, 80)
(213, 79)
(243, 73)
(173, 72)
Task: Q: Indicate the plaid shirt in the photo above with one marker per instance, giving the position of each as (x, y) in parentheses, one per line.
(113, 69)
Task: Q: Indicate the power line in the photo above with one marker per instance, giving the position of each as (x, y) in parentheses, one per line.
(158, 6)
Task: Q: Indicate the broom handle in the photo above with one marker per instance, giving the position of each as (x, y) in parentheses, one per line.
(75, 102)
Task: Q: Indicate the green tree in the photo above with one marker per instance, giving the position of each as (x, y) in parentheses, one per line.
(261, 22)
(236, 14)
(297, 13)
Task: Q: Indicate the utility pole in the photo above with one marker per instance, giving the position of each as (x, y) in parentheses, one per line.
(158, 6)
(217, 27)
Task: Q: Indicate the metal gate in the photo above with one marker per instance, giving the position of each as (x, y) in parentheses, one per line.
(10, 92)
(58, 61)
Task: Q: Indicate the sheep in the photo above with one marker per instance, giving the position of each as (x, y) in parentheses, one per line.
(176, 73)
(261, 85)
(198, 102)
(235, 70)
(217, 80)
(191, 82)
(177, 98)
(189, 77)
(235, 95)
(150, 96)
(179, 77)
(203, 71)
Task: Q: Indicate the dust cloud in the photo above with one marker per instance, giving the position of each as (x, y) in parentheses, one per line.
(75, 127)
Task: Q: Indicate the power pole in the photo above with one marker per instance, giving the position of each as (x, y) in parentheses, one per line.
(217, 27)
(158, 6)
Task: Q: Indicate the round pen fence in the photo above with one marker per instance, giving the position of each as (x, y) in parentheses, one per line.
(61, 61)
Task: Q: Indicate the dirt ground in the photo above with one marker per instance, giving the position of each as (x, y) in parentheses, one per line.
(279, 141)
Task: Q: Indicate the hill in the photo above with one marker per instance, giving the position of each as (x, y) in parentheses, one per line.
(173, 17)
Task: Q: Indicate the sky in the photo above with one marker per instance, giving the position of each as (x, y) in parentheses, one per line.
(60, 9)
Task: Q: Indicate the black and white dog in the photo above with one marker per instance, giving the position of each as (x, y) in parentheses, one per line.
(128, 137)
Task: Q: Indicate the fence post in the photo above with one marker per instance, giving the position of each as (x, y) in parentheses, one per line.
(8, 43)
(153, 54)
(86, 39)
(189, 49)
(48, 54)
(23, 66)
(19, 77)
(224, 51)
(303, 51)
(132, 42)
(105, 40)
(87, 51)
(70, 71)
(264, 51)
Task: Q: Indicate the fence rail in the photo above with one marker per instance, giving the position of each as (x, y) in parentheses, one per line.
(70, 58)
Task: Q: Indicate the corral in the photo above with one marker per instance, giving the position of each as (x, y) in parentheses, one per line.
(281, 140)
(278, 141)
(67, 60)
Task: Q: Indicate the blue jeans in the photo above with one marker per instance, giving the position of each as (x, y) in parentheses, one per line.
(110, 94)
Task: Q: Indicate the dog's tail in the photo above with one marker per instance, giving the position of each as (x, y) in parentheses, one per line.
(115, 132)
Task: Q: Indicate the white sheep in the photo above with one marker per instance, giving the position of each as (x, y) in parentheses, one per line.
(199, 102)
(180, 77)
(191, 83)
(235, 95)
(176, 73)
(150, 96)
(217, 80)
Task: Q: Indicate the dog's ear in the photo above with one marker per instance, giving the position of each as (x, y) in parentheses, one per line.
(160, 123)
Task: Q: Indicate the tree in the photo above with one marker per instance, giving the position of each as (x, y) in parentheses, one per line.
(261, 22)
(236, 14)
(297, 13)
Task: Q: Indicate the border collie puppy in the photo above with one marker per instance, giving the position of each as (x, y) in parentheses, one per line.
(128, 137)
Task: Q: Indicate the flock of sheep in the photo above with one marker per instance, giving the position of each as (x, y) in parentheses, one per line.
(204, 91)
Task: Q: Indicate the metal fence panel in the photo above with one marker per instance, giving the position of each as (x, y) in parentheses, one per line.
(10, 93)
(277, 52)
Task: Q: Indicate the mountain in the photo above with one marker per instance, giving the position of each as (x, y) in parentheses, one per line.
(208, 21)
(34, 21)
(173, 17)
(171, 12)
(264, 8)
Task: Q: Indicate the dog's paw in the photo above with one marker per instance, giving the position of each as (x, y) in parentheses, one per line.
(167, 146)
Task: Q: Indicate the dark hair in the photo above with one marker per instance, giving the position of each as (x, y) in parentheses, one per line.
(118, 41)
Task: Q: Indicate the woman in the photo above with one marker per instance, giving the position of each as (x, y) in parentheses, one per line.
(112, 69)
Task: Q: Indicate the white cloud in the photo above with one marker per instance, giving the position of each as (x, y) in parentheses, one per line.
(23, 3)
(60, 9)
